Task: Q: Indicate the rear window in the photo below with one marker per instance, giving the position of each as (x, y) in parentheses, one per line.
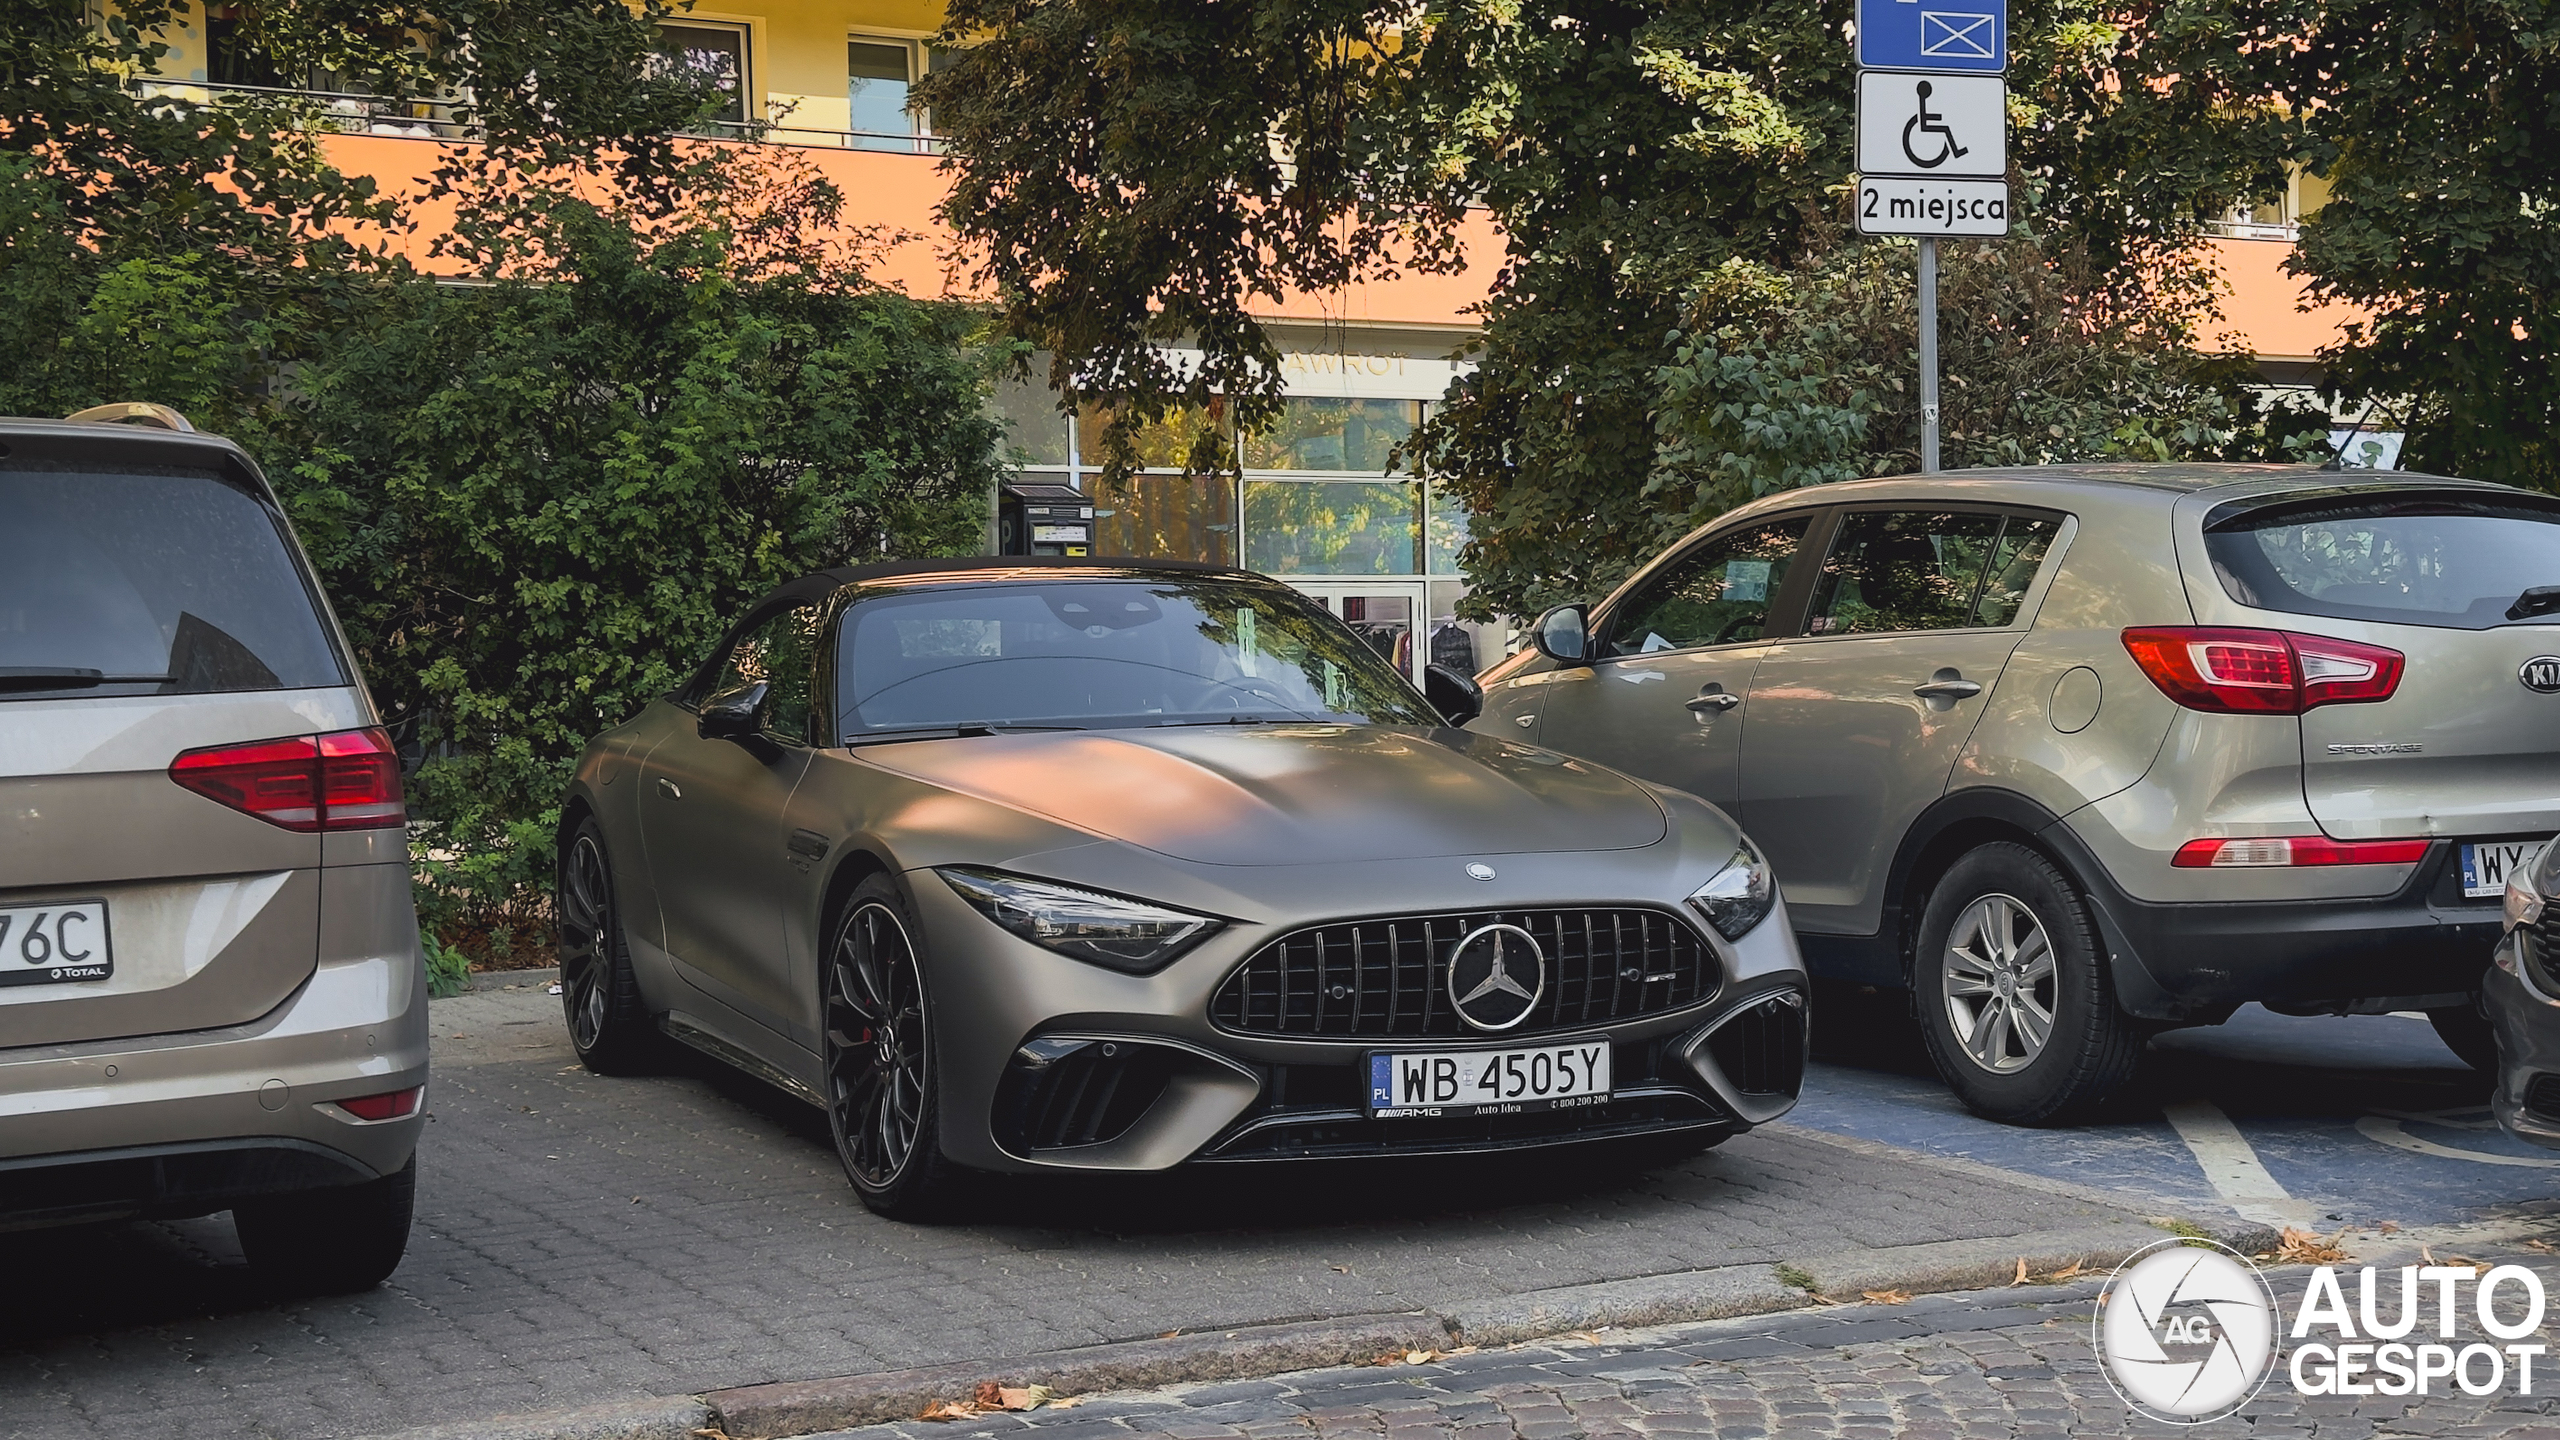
(176, 583)
(2451, 560)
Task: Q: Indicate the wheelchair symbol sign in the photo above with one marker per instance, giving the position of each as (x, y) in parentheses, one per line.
(1932, 126)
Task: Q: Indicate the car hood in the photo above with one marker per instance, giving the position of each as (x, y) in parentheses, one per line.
(1294, 794)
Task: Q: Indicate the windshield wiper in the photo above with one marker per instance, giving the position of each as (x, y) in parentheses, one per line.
(1234, 720)
(946, 732)
(2540, 600)
(65, 677)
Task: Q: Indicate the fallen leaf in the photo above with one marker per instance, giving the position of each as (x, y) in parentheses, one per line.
(1589, 1337)
(2386, 1227)
(989, 1395)
(1066, 1402)
(2305, 1247)
(1419, 1357)
(2544, 1246)
(1169, 1334)
(1888, 1297)
(947, 1410)
(1028, 1397)
(2021, 1277)
(1342, 1269)
(2075, 1272)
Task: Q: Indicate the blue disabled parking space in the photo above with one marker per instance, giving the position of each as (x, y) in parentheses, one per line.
(2356, 1119)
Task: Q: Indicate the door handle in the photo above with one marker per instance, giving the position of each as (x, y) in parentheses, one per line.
(1946, 688)
(669, 788)
(1712, 702)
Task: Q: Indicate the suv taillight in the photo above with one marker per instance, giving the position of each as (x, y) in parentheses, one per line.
(345, 780)
(2261, 672)
(2293, 850)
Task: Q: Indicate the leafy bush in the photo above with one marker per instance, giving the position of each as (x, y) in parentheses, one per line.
(539, 500)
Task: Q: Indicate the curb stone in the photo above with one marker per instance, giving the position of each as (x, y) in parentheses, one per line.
(486, 980)
(804, 1407)
(673, 1417)
(808, 1407)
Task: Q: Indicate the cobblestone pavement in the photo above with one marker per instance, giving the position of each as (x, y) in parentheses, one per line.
(2008, 1363)
(582, 1240)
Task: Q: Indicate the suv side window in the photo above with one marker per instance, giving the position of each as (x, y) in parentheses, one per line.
(1718, 594)
(781, 652)
(1893, 571)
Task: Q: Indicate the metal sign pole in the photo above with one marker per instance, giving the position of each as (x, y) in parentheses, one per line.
(1928, 356)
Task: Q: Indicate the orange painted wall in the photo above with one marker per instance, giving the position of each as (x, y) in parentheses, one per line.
(903, 193)
(2263, 308)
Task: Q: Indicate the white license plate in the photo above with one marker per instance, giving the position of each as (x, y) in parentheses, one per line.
(54, 944)
(1422, 1084)
(2488, 866)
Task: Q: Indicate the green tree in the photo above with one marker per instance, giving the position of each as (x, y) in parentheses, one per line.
(1627, 149)
(2437, 127)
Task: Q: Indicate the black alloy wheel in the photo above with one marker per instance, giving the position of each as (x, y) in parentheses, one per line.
(599, 995)
(880, 1075)
(2011, 990)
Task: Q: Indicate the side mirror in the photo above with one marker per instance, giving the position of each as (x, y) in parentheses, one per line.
(733, 714)
(1453, 692)
(1562, 636)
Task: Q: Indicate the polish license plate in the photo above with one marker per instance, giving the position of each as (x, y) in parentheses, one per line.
(2488, 866)
(1433, 1083)
(54, 944)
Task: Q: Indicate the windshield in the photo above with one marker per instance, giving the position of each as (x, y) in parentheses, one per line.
(2450, 559)
(1095, 654)
(169, 584)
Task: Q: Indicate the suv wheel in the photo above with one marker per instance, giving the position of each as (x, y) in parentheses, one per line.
(599, 995)
(2012, 992)
(330, 1242)
(883, 1080)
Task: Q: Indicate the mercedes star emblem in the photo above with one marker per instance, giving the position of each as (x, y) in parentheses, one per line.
(1486, 975)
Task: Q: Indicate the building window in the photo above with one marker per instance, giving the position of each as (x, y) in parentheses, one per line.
(231, 58)
(880, 76)
(1333, 527)
(714, 56)
(1316, 433)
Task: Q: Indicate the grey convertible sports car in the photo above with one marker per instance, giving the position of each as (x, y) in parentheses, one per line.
(1024, 865)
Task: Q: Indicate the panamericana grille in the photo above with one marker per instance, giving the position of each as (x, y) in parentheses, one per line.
(1390, 977)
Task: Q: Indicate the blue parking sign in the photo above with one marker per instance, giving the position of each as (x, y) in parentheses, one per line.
(1969, 35)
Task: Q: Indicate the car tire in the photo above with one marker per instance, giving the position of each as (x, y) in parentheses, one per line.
(600, 998)
(2467, 1033)
(2007, 947)
(330, 1242)
(881, 1065)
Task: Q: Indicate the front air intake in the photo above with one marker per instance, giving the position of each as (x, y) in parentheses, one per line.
(1761, 1049)
(1060, 1094)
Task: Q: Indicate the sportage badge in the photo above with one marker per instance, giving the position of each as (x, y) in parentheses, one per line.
(2187, 1331)
(1496, 975)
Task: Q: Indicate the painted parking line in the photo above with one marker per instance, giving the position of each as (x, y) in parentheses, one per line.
(2322, 1121)
(2231, 1167)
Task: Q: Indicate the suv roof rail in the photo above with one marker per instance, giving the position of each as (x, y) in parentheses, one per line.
(133, 412)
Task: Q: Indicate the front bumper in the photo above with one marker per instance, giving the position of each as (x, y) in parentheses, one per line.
(2421, 946)
(175, 1125)
(2527, 1023)
(1057, 1065)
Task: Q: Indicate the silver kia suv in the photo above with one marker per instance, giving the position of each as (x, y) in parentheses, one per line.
(211, 996)
(2077, 753)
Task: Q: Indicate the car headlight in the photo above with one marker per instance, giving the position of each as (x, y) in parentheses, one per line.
(1106, 930)
(1741, 894)
(2524, 905)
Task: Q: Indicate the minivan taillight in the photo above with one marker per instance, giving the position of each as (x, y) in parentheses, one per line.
(344, 780)
(2261, 672)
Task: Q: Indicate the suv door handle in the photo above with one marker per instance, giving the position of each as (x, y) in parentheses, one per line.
(1946, 688)
(1713, 702)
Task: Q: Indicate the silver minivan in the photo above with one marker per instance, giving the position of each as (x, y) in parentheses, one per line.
(211, 994)
(2077, 753)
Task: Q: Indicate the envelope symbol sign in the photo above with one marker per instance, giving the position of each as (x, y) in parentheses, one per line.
(1955, 35)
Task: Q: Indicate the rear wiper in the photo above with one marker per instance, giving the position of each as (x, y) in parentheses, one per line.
(2540, 600)
(946, 732)
(64, 677)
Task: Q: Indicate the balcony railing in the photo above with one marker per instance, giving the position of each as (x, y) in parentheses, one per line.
(352, 113)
